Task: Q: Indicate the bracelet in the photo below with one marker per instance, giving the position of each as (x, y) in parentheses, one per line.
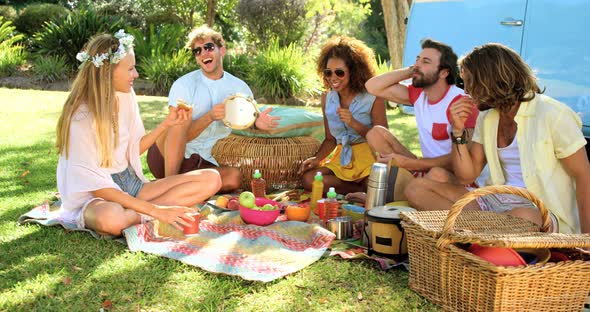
(459, 139)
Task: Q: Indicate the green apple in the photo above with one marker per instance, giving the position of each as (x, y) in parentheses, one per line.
(247, 199)
(268, 207)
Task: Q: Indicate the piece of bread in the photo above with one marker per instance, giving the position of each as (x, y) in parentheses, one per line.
(182, 104)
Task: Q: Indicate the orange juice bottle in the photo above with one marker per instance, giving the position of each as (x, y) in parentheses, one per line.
(331, 205)
(258, 184)
(317, 190)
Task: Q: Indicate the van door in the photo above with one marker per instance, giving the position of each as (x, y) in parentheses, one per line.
(556, 45)
(467, 23)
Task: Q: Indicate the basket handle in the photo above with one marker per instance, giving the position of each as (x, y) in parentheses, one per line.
(449, 226)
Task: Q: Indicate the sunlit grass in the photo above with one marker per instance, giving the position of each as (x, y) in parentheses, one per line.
(49, 269)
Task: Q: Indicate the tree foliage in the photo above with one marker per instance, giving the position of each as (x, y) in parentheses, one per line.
(189, 13)
(327, 18)
(269, 20)
(373, 32)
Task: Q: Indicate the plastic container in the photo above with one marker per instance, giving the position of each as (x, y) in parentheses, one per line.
(331, 205)
(317, 190)
(193, 227)
(261, 217)
(258, 184)
(297, 213)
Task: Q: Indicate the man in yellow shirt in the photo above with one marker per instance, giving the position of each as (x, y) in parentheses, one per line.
(528, 140)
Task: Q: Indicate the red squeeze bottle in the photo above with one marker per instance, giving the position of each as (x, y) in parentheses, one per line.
(258, 184)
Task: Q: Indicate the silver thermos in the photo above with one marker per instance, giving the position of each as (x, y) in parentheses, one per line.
(376, 192)
(376, 186)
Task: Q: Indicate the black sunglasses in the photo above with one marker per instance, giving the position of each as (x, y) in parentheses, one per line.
(207, 47)
(339, 72)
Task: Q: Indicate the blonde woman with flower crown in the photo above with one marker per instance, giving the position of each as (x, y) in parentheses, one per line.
(100, 137)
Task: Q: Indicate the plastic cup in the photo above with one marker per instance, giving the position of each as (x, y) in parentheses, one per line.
(193, 227)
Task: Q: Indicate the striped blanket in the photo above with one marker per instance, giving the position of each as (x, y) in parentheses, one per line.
(224, 245)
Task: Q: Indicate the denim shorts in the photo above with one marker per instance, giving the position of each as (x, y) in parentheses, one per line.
(128, 181)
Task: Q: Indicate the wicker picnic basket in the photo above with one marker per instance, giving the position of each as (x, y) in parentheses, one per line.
(278, 159)
(458, 280)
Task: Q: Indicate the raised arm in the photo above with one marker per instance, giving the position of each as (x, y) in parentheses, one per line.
(176, 116)
(377, 116)
(388, 85)
(217, 112)
(467, 160)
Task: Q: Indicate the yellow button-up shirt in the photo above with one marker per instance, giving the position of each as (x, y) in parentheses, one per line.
(548, 130)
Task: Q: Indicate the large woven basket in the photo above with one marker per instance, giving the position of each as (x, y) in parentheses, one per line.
(278, 159)
(460, 281)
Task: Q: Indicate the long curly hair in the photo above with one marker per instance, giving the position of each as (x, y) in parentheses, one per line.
(359, 59)
(497, 77)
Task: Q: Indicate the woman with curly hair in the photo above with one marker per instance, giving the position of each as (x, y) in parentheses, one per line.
(344, 157)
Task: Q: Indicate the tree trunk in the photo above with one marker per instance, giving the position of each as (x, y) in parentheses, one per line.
(395, 13)
(211, 10)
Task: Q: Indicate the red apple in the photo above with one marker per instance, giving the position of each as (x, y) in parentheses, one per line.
(233, 204)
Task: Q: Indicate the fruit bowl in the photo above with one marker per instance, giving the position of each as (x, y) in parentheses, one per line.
(298, 213)
(260, 217)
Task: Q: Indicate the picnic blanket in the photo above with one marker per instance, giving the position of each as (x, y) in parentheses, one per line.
(224, 245)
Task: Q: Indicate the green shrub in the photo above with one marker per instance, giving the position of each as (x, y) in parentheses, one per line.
(280, 73)
(67, 37)
(383, 66)
(12, 54)
(32, 18)
(158, 40)
(8, 12)
(238, 64)
(50, 68)
(163, 70)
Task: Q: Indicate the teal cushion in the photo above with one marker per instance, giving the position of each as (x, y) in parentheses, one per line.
(294, 122)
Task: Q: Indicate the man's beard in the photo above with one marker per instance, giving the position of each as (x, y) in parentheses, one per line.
(425, 80)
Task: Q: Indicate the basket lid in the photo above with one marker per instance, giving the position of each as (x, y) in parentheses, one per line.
(522, 240)
(491, 229)
(432, 223)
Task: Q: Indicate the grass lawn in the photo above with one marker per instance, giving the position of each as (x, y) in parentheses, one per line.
(49, 269)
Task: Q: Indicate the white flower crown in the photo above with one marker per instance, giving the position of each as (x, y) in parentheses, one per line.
(125, 44)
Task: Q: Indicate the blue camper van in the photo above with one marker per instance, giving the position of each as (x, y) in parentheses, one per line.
(551, 36)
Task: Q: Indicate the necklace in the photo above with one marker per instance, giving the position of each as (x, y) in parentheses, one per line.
(507, 126)
(507, 131)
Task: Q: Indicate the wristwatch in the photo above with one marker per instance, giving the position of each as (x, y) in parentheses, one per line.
(459, 139)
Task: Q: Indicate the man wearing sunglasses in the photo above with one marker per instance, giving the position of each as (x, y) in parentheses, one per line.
(188, 147)
(431, 93)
